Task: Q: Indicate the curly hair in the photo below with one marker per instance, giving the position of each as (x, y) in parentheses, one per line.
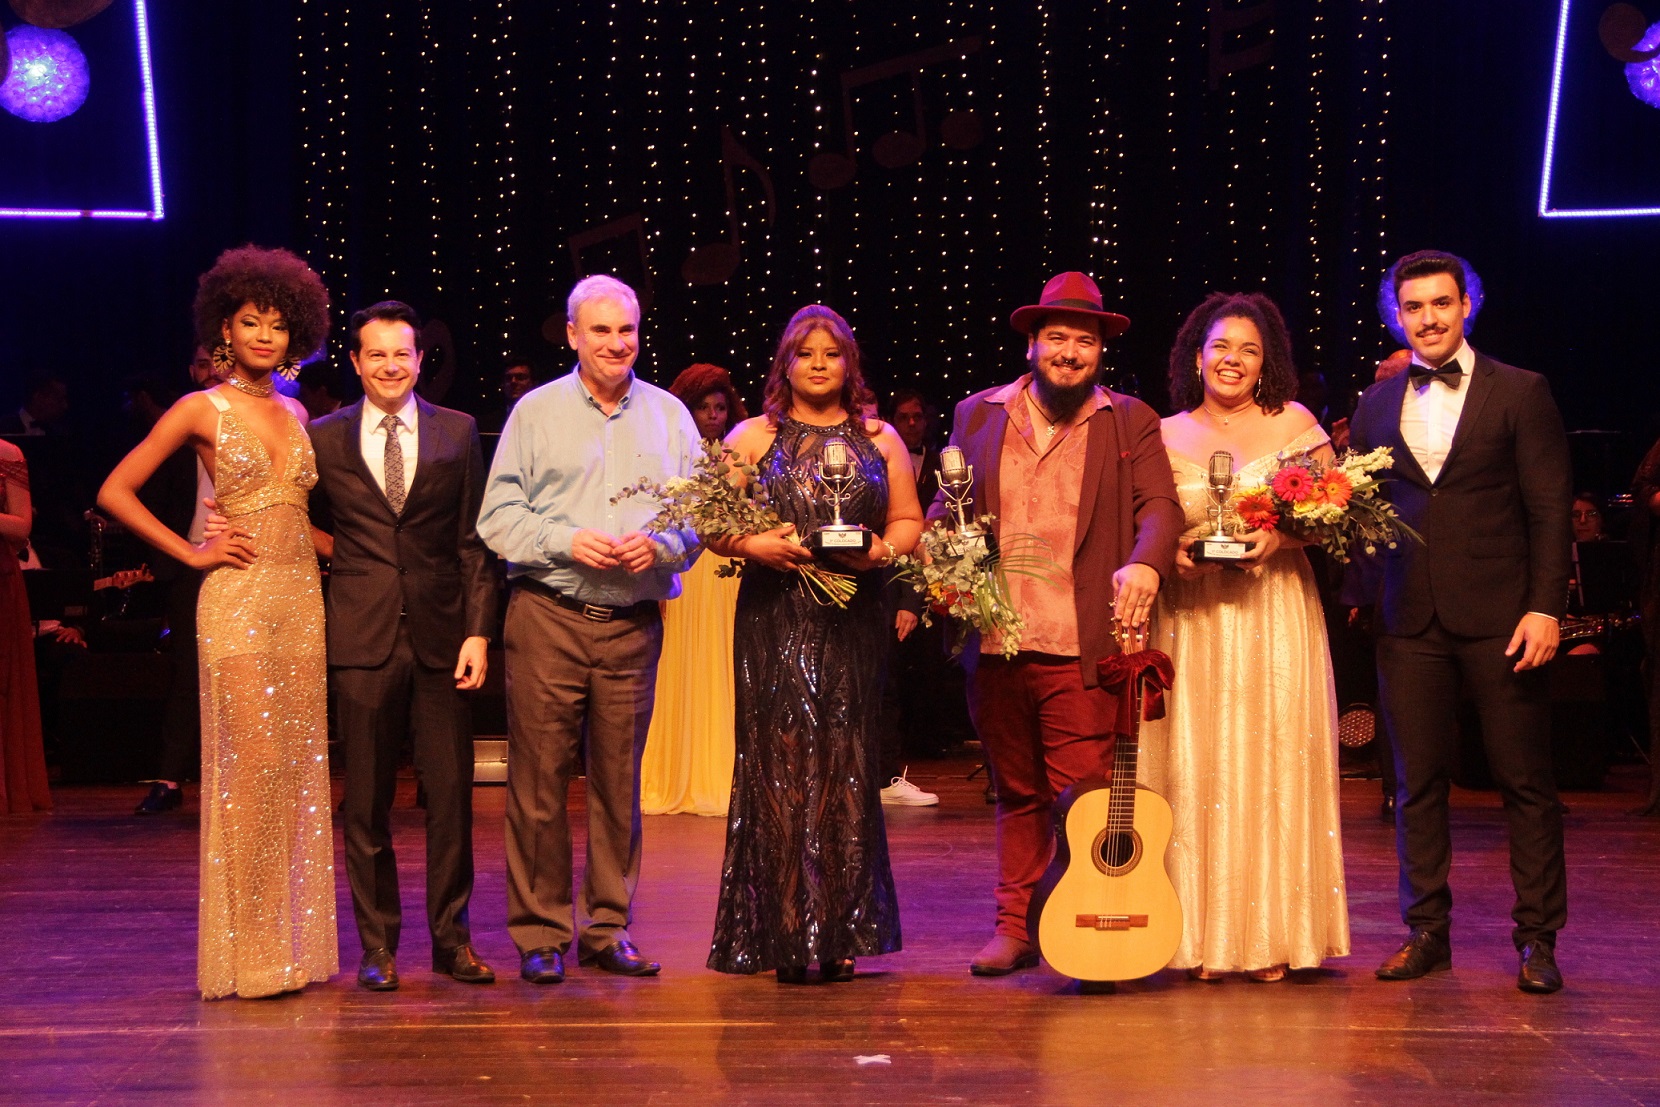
(697, 381)
(776, 394)
(1278, 383)
(267, 279)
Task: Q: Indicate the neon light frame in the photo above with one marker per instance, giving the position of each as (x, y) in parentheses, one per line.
(1545, 209)
(157, 209)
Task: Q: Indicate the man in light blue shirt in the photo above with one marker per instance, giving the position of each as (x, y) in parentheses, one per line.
(583, 626)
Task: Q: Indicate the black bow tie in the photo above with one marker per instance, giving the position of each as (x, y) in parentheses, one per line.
(1449, 374)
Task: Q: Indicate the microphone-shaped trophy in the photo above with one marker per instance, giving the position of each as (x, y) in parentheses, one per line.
(1220, 547)
(836, 470)
(956, 481)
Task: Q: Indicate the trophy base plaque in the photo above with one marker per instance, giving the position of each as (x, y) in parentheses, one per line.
(841, 538)
(1223, 551)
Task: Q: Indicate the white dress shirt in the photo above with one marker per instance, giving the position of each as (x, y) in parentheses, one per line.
(372, 438)
(1430, 411)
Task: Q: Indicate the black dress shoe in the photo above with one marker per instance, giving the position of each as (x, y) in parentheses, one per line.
(1423, 953)
(621, 958)
(837, 972)
(791, 974)
(162, 798)
(1539, 973)
(1386, 813)
(463, 964)
(542, 966)
(378, 972)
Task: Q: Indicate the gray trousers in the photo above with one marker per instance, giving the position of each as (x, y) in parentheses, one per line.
(570, 676)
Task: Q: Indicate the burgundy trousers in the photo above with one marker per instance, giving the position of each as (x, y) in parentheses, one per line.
(1041, 730)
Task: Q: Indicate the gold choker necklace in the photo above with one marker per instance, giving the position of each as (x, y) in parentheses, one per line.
(252, 389)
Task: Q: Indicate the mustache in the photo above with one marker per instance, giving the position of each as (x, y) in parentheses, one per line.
(1422, 331)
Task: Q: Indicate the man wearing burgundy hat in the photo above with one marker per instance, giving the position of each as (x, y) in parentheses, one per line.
(1056, 455)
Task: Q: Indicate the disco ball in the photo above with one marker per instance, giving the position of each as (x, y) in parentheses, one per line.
(1644, 76)
(48, 77)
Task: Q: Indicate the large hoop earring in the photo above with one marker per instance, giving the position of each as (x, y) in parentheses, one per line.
(222, 359)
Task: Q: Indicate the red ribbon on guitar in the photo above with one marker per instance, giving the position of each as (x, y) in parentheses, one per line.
(1118, 675)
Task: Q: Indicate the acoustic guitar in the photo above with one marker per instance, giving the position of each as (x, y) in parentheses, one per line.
(1106, 908)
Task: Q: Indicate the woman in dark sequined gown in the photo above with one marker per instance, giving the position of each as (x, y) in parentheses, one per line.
(806, 876)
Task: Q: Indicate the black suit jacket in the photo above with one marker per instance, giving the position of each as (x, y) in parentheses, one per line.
(428, 562)
(1496, 521)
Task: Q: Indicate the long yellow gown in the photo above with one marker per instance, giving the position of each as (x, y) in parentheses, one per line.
(267, 898)
(687, 767)
(1247, 755)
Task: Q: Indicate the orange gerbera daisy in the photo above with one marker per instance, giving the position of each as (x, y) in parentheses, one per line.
(1336, 488)
(1256, 511)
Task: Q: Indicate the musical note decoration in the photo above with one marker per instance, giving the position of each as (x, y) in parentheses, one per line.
(715, 262)
(627, 227)
(959, 129)
(1621, 29)
(1228, 25)
(437, 361)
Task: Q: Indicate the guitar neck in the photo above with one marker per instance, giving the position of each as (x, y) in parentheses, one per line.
(1125, 758)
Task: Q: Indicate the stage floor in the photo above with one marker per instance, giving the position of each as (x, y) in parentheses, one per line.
(98, 1002)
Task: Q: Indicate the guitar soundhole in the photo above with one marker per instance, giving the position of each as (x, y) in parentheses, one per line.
(1117, 851)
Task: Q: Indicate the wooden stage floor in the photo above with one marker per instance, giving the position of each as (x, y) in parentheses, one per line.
(98, 1006)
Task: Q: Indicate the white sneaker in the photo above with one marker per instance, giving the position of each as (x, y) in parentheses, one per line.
(902, 793)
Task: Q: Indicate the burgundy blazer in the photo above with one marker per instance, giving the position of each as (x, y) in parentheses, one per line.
(1127, 508)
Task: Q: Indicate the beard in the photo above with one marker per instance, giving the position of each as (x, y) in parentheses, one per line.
(1062, 400)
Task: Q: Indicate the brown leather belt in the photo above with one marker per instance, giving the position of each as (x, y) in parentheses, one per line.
(598, 612)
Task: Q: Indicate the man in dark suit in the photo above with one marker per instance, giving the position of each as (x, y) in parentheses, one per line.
(1057, 455)
(411, 602)
(1481, 470)
(922, 699)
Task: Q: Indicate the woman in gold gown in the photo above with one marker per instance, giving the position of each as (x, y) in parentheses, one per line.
(266, 920)
(687, 767)
(1247, 751)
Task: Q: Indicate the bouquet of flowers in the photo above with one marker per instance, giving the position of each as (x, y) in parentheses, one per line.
(1334, 505)
(709, 503)
(966, 579)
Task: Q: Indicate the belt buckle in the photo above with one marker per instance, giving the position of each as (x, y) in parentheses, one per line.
(597, 613)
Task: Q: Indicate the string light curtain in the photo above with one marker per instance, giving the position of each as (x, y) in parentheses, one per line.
(920, 167)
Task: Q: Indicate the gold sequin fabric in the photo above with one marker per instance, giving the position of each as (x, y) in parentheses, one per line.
(267, 921)
(1247, 755)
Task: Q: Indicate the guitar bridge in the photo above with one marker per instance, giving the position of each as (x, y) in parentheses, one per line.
(1110, 922)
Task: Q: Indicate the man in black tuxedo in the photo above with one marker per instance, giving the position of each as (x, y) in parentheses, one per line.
(1481, 470)
(411, 602)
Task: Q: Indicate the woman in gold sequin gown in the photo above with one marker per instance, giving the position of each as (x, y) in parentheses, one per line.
(266, 923)
(1247, 751)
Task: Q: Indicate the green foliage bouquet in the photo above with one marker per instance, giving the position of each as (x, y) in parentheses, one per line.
(712, 504)
(965, 577)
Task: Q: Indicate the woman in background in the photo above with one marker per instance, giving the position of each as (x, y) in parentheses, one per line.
(22, 753)
(687, 767)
